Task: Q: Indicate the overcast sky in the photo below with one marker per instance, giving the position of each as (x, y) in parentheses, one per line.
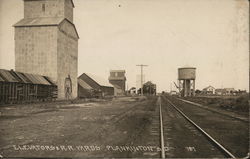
(211, 35)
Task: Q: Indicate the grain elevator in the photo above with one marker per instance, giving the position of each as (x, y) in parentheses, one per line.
(46, 43)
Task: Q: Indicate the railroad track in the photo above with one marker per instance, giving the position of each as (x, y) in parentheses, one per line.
(196, 129)
(234, 116)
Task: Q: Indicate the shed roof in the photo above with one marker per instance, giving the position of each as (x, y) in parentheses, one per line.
(37, 79)
(13, 76)
(50, 80)
(99, 80)
(83, 84)
(1, 79)
(7, 76)
(22, 77)
(208, 87)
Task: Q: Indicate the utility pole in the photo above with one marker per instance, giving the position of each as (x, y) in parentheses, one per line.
(127, 89)
(142, 76)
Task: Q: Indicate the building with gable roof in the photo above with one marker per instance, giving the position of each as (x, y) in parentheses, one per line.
(93, 86)
(46, 43)
(208, 90)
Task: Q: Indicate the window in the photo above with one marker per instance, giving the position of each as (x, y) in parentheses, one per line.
(43, 7)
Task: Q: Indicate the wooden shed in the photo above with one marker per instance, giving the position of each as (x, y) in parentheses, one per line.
(17, 87)
(93, 86)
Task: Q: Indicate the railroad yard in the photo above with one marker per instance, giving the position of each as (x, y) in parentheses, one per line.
(120, 127)
(69, 87)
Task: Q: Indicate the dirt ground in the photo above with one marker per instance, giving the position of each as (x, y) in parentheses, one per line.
(92, 129)
(116, 128)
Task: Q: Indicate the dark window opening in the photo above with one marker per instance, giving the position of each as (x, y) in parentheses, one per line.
(43, 7)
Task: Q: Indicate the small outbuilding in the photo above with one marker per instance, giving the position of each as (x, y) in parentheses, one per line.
(149, 88)
(209, 90)
(225, 91)
(16, 87)
(92, 86)
(132, 91)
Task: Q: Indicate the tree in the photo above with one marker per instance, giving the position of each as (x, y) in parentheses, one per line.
(197, 91)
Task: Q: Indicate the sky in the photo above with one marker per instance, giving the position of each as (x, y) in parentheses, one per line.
(211, 35)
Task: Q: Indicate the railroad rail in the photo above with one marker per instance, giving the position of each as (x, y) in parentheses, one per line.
(213, 110)
(226, 152)
(162, 132)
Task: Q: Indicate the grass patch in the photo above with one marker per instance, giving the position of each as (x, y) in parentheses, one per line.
(234, 103)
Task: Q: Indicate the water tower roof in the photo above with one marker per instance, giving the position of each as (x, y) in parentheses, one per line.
(187, 68)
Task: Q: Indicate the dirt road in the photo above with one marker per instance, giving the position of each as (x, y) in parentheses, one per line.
(77, 130)
(122, 127)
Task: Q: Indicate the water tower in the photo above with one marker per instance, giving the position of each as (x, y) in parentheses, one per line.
(186, 78)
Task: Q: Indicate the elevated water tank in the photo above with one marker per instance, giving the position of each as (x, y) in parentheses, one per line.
(186, 78)
(186, 73)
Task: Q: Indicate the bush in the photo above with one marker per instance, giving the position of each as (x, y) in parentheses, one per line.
(242, 103)
(239, 104)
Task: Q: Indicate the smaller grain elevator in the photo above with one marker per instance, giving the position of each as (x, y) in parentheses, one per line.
(186, 78)
(118, 79)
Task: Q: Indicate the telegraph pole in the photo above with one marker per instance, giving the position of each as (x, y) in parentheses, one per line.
(142, 76)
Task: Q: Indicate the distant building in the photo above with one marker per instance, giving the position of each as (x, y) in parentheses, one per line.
(93, 86)
(225, 91)
(209, 90)
(46, 43)
(220, 91)
(132, 91)
(229, 91)
(139, 81)
(241, 92)
(149, 88)
(173, 93)
(16, 87)
(118, 79)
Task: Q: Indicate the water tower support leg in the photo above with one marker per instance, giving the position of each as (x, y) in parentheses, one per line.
(193, 87)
